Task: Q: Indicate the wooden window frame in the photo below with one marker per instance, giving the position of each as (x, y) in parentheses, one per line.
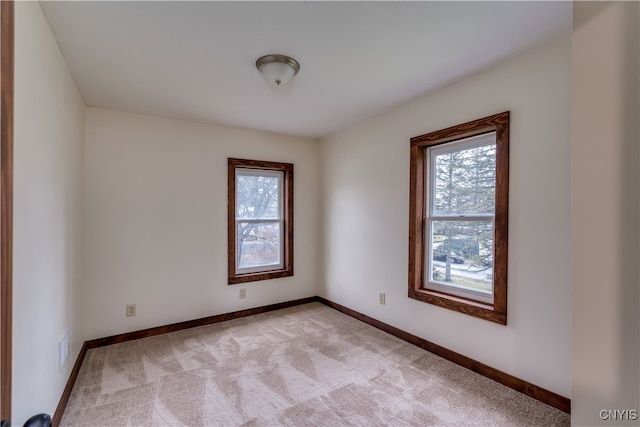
(496, 312)
(7, 36)
(287, 212)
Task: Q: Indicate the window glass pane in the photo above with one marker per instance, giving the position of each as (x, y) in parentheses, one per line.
(257, 196)
(465, 181)
(462, 254)
(258, 244)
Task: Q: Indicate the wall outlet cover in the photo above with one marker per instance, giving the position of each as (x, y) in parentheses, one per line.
(131, 310)
(63, 350)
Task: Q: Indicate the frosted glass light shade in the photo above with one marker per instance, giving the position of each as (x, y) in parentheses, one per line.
(277, 72)
(277, 69)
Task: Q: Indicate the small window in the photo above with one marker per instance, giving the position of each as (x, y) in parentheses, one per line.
(260, 220)
(458, 225)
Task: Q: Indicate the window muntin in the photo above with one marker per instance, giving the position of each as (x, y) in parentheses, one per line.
(460, 215)
(464, 230)
(260, 220)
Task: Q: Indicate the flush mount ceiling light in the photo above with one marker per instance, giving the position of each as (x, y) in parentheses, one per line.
(277, 69)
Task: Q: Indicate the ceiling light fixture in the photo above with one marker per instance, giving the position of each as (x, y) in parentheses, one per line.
(277, 69)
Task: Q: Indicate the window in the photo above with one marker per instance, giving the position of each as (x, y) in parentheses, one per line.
(459, 200)
(260, 220)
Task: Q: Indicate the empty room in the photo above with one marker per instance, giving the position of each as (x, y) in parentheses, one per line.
(319, 213)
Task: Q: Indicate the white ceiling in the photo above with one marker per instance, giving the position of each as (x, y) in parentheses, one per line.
(196, 60)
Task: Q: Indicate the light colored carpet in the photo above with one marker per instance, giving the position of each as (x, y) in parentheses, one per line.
(304, 366)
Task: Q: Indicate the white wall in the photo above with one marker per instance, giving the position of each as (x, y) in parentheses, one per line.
(605, 213)
(365, 193)
(49, 133)
(156, 220)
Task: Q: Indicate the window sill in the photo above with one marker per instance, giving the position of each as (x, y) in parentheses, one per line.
(462, 305)
(263, 275)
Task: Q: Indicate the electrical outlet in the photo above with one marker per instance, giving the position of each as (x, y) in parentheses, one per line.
(243, 293)
(63, 350)
(382, 298)
(131, 310)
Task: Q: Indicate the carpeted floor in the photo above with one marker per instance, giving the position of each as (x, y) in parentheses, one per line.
(304, 366)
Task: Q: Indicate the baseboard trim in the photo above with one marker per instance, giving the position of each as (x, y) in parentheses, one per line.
(543, 395)
(57, 415)
(159, 330)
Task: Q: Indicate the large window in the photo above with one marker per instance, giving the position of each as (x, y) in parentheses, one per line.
(260, 220)
(458, 218)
